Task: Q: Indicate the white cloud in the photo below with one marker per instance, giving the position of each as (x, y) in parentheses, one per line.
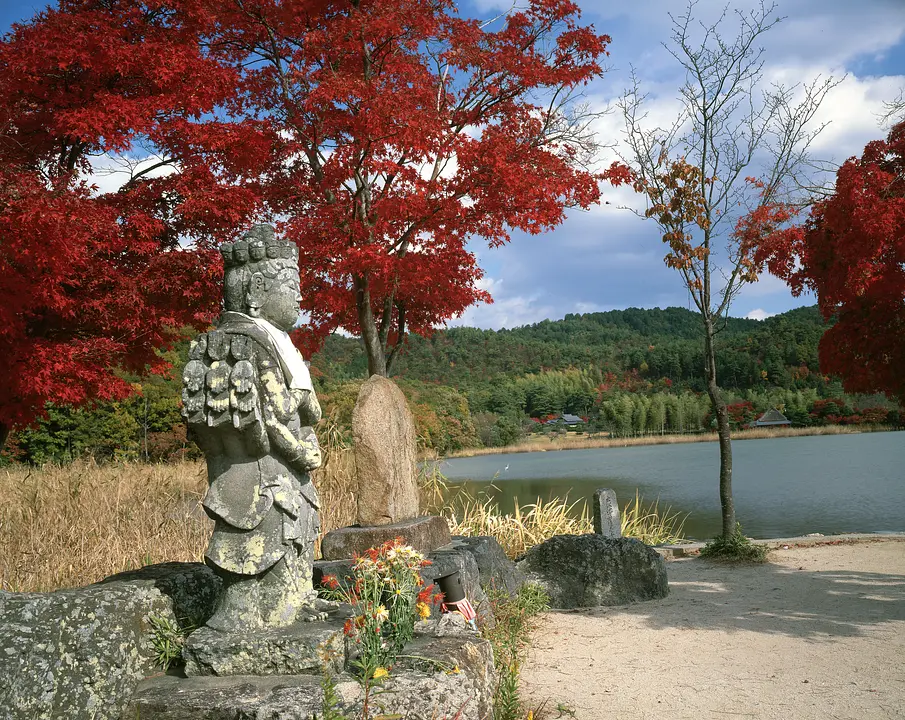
(759, 314)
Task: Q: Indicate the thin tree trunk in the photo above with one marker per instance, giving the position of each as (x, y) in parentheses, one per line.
(4, 434)
(377, 364)
(723, 432)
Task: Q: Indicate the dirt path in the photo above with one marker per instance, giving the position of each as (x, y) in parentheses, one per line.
(819, 632)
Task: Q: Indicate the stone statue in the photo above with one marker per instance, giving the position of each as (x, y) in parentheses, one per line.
(250, 406)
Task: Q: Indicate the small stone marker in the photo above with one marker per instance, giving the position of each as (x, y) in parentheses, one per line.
(607, 521)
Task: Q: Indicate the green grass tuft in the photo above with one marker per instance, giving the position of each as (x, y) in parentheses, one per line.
(736, 548)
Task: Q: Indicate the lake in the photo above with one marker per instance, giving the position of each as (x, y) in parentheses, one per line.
(783, 487)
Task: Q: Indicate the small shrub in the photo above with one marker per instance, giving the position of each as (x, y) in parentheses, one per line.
(167, 641)
(387, 596)
(735, 548)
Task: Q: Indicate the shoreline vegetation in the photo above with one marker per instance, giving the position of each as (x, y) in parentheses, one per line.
(583, 441)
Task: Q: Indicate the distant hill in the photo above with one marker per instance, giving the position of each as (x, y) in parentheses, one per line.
(655, 344)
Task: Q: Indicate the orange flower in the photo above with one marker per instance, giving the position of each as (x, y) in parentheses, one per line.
(330, 581)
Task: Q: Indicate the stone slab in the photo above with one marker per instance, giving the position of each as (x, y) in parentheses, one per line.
(79, 653)
(497, 572)
(607, 519)
(438, 678)
(298, 649)
(425, 534)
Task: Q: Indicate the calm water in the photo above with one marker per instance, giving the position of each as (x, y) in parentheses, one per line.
(782, 487)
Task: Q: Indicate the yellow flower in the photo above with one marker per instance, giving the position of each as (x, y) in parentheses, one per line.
(424, 610)
(380, 672)
(381, 614)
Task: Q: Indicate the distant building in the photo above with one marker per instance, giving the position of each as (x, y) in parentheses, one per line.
(772, 418)
(566, 419)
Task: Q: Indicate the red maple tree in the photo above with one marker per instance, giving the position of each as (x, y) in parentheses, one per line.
(387, 134)
(381, 135)
(851, 252)
(90, 283)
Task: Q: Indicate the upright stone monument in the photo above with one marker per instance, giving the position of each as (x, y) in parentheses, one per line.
(607, 520)
(385, 454)
(250, 406)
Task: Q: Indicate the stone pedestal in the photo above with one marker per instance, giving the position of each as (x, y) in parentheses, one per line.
(425, 534)
(447, 670)
(299, 649)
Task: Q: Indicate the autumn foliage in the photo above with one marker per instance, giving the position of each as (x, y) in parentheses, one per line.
(381, 136)
(851, 253)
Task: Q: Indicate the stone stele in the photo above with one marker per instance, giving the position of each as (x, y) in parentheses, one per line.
(385, 454)
(607, 520)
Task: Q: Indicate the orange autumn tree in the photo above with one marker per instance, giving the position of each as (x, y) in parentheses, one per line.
(731, 147)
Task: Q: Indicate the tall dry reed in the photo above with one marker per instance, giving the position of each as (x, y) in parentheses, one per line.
(76, 524)
(71, 525)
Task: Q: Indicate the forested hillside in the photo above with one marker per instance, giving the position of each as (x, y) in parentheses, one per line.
(624, 371)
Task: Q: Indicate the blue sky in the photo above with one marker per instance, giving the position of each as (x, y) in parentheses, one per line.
(608, 258)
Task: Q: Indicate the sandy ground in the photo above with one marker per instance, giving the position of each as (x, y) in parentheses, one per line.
(818, 632)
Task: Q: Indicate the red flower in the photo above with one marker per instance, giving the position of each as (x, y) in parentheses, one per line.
(330, 581)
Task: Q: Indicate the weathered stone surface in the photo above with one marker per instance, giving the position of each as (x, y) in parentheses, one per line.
(495, 569)
(250, 406)
(591, 570)
(424, 534)
(79, 653)
(299, 649)
(607, 520)
(421, 687)
(385, 454)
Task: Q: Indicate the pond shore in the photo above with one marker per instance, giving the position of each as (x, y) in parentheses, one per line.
(817, 632)
(582, 441)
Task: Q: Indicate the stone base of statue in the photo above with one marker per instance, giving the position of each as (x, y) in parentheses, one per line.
(425, 534)
(299, 649)
(447, 671)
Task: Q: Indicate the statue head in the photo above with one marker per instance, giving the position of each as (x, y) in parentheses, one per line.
(262, 277)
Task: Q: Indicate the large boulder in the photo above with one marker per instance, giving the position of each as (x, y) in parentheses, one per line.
(79, 653)
(383, 430)
(591, 570)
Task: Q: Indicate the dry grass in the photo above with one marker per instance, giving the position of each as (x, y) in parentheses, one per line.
(73, 525)
(66, 526)
(526, 527)
(541, 443)
(531, 524)
(650, 524)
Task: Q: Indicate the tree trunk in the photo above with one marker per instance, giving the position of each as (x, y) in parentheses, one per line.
(4, 434)
(723, 432)
(377, 364)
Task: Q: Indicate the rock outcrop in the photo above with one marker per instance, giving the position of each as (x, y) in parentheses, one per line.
(591, 570)
(80, 653)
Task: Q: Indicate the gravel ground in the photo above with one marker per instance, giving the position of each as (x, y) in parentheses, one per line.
(817, 632)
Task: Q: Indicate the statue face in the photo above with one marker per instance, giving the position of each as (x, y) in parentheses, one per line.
(281, 305)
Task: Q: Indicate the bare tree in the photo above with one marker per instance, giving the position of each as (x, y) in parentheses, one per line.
(736, 150)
